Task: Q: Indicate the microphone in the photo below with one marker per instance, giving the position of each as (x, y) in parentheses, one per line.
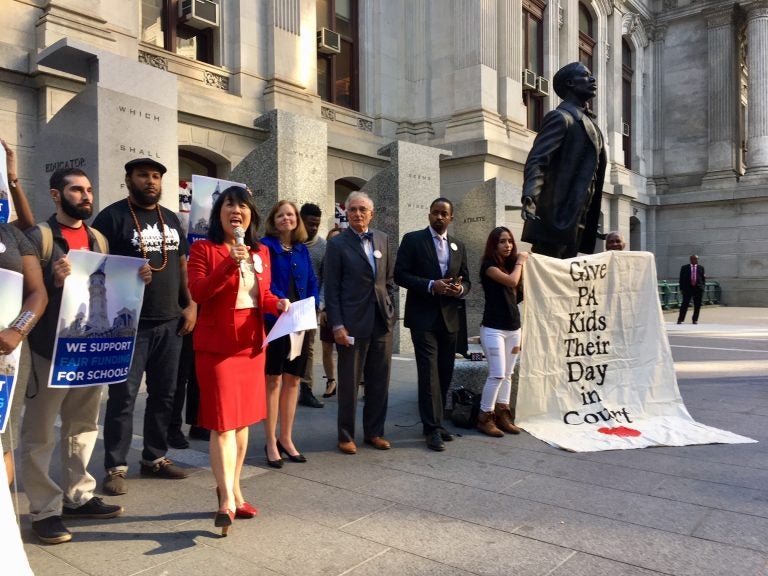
(240, 241)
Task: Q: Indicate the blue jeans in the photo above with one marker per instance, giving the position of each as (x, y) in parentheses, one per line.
(157, 352)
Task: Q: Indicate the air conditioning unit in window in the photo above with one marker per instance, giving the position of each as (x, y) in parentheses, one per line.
(328, 41)
(624, 129)
(200, 14)
(542, 86)
(529, 79)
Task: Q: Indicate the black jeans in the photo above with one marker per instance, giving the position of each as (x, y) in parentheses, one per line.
(157, 351)
(187, 389)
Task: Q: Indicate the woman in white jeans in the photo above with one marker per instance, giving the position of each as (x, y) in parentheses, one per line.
(501, 273)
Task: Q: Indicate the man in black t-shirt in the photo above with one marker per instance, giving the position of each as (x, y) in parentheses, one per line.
(138, 226)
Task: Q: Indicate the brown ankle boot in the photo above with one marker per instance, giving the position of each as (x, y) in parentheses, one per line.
(486, 425)
(505, 419)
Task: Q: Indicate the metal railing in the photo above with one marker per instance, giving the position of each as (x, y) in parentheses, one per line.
(670, 295)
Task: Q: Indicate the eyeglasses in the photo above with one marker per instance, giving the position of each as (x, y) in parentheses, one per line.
(361, 209)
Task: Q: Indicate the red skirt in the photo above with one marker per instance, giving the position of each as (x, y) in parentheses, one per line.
(232, 387)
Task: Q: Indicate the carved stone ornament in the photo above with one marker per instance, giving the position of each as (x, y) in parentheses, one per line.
(216, 80)
(327, 113)
(153, 60)
(366, 125)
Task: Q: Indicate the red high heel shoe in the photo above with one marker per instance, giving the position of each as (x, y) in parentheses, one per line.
(223, 520)
(246, 510)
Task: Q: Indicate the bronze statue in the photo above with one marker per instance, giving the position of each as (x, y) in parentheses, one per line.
(564, 172)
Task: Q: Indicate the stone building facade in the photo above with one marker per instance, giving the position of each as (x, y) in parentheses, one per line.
(409, 99)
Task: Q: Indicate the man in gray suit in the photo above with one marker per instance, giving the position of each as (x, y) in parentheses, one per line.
(359, 290)
(564, 172)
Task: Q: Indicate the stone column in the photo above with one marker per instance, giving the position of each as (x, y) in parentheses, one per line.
(510, 56)
(475, 94)
(757, 64)
(291, 164)
(723, 106)
(657, 101)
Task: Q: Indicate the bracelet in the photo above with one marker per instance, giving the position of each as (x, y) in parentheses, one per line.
(24, 322)
(13, 183)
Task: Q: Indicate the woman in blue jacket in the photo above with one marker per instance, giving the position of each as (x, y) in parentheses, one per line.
(292, 278)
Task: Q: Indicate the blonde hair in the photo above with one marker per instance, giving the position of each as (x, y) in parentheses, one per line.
(298, 234)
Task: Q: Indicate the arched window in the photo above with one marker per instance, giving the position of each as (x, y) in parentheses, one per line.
(586, 37)
(337, 74)
(627, 76)
(533, 59)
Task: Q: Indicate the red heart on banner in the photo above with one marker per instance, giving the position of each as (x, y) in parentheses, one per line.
(620, 431)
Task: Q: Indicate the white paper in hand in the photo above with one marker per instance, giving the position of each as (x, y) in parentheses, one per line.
(299, 317)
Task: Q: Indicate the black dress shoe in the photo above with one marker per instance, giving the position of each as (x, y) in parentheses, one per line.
(445, 435)
(273, 463)
(307, 398)
(435, 442)
(292, 457)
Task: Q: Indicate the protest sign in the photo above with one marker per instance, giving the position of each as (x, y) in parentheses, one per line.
(205, 191)
(11, 292)
(5, 201)
(98, 318)
(596, 370)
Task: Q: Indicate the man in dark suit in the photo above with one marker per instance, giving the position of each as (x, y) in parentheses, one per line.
(564, 172)
(359, 291)
(432, 266)
(692, 281)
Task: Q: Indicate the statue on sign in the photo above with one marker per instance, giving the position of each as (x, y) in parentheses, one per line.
(564, 172)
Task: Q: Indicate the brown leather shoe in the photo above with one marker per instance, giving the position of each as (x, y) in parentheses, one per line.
(348, 447)
(378, 442)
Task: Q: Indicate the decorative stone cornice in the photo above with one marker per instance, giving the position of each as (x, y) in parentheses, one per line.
(756, 9)
(720, 17)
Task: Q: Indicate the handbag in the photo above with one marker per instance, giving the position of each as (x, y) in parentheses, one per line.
(466, 407)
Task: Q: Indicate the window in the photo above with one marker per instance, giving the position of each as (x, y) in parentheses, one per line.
(586, 37)
(627, 75)
(160, 25)
(337, 77)
(533, 57)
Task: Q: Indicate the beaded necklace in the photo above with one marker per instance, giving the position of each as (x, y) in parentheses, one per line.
(141, 241)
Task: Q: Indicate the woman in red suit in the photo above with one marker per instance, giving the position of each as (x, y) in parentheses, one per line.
(230, 280)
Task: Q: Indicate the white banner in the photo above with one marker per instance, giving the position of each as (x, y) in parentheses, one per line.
(98, 320)
(596, 369)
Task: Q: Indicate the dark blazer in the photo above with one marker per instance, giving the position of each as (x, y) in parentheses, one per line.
(564, 174)
(352, 294)
(685, 278)
(213, 282)
(416, 265)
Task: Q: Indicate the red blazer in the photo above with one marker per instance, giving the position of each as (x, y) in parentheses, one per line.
(213, 282)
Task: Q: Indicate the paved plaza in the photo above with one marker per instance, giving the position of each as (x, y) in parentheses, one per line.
(510, 506)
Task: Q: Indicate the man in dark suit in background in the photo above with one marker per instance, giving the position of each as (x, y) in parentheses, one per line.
(432, 266)
(359, 291)
(692, 281)
(564, 172)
